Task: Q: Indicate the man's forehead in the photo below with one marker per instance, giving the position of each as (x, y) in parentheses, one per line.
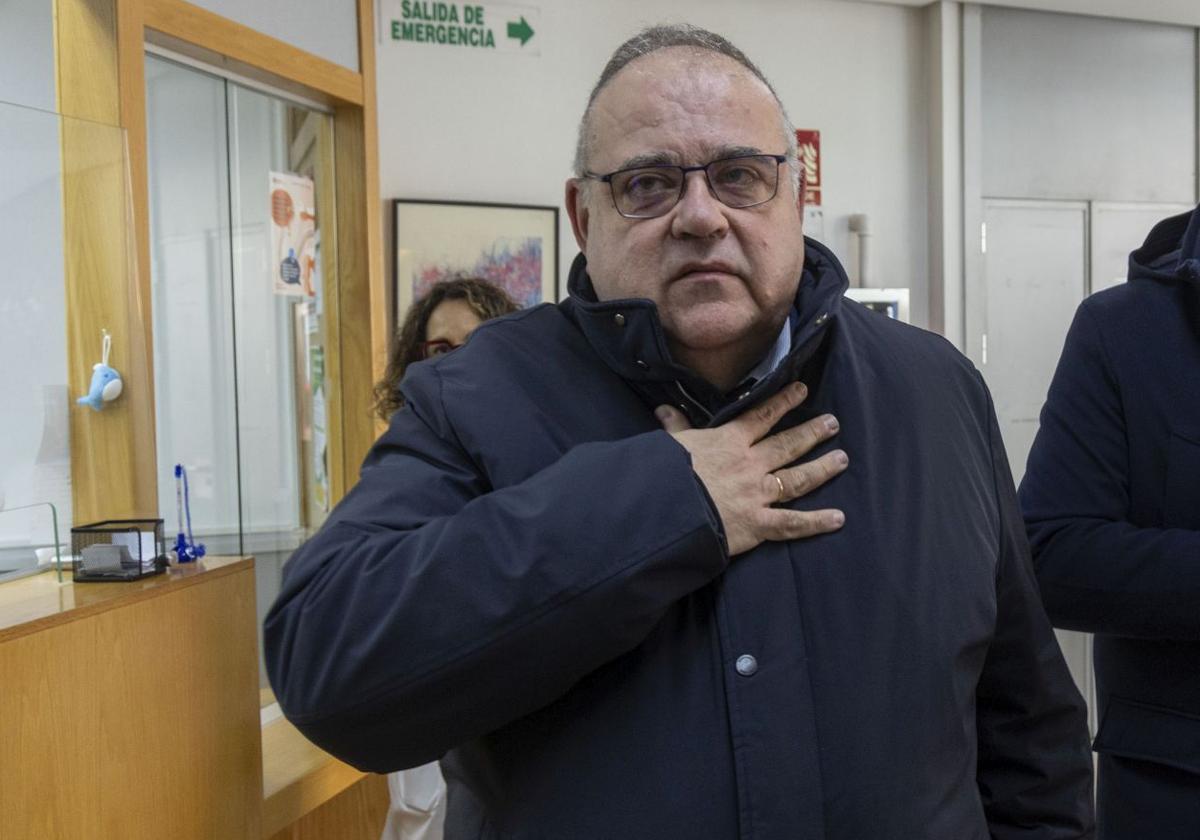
(707, 104)
(678, 72)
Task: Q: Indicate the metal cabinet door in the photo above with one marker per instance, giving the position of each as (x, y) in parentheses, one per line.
(1119, 227)
(1035, 273)
(1034, 276)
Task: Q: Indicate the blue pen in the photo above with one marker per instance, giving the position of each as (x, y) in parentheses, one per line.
(186, 549)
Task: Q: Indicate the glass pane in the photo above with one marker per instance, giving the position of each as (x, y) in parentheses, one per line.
(240, 185)
(191, 299)
(266, 387)
(280, 174)
(35, 464)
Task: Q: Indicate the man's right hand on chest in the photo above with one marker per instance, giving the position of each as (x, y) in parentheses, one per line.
(744, 469)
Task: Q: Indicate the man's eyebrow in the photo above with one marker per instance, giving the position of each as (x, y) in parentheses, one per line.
(672, 159)
(650, 159)
(735, 151)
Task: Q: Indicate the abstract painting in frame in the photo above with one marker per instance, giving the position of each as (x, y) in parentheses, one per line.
(512, 245)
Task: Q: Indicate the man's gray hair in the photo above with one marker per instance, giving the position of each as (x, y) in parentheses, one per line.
(677, 35)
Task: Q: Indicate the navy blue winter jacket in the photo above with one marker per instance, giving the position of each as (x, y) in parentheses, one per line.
(1112, 501)
(530, 583)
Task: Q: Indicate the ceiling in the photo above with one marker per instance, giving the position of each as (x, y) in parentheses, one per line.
(1162, 11)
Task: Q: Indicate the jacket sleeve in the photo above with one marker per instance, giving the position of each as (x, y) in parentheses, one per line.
(431, 608)
(1100, 573)
(1035, 767)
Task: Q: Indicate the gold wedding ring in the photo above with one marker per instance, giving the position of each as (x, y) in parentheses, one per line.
(779, 481)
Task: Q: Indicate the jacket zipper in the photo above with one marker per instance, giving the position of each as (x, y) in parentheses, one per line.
(708, 415)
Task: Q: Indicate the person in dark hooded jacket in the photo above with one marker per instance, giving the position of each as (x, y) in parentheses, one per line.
(1111, 499)
(628, 578)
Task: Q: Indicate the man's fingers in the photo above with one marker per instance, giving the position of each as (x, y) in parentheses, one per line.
(797, 441)
(803, 479)
(780, 525)
(672, 419)
(758, 421)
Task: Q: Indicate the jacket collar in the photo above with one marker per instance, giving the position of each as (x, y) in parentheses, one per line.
(628, 337)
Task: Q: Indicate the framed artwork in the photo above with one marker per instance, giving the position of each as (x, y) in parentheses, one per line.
(514, 246)
(891, 302)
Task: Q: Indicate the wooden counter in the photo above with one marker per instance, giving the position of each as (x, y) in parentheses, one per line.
(130, 710)
(30, 604)
(303, 785)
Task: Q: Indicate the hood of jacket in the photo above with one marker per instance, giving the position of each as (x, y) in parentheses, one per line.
(1171, 256)
(628, 336)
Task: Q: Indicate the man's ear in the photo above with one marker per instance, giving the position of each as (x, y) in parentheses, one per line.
(578, 211)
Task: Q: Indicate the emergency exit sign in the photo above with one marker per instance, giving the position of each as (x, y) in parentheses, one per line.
(472, 26)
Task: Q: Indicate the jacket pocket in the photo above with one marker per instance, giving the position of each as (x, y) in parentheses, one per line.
(1181, 502)
(1150, 733)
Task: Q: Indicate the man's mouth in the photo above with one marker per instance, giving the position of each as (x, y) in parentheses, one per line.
(700, 269)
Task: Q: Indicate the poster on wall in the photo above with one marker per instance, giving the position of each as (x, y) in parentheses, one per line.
(808, 148)
(293, 234)
(514, 246)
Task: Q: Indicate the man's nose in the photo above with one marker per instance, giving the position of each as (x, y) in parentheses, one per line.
(699, 213)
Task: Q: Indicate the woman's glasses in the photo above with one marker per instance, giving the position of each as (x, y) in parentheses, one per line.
(437, 347)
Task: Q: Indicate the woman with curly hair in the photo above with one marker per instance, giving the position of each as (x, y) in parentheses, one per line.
(434, 325)
(437, 324)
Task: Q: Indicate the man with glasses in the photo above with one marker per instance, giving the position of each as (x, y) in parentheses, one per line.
(703, 551)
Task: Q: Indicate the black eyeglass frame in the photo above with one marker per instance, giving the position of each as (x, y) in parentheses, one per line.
(427, 346)
(684, 170)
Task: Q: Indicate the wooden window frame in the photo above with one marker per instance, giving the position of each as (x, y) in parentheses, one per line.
(100, 69)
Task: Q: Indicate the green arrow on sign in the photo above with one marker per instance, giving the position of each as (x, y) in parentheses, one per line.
(520, 30)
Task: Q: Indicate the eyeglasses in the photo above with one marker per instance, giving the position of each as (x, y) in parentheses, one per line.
(646, 192)
(438, 347)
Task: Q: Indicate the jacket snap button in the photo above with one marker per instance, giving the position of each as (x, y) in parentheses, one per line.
(746, 665)
(642, 365)
(822, 318)
(619, 319)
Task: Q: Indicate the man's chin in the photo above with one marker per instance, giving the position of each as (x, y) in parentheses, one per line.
(710, 327)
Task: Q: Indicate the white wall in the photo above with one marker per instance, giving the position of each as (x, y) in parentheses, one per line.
(328, 28)
(472, 125)
(1087, 108)
(1163, 11)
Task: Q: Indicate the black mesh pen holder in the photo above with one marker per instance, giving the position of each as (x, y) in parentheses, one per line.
(118, 549)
